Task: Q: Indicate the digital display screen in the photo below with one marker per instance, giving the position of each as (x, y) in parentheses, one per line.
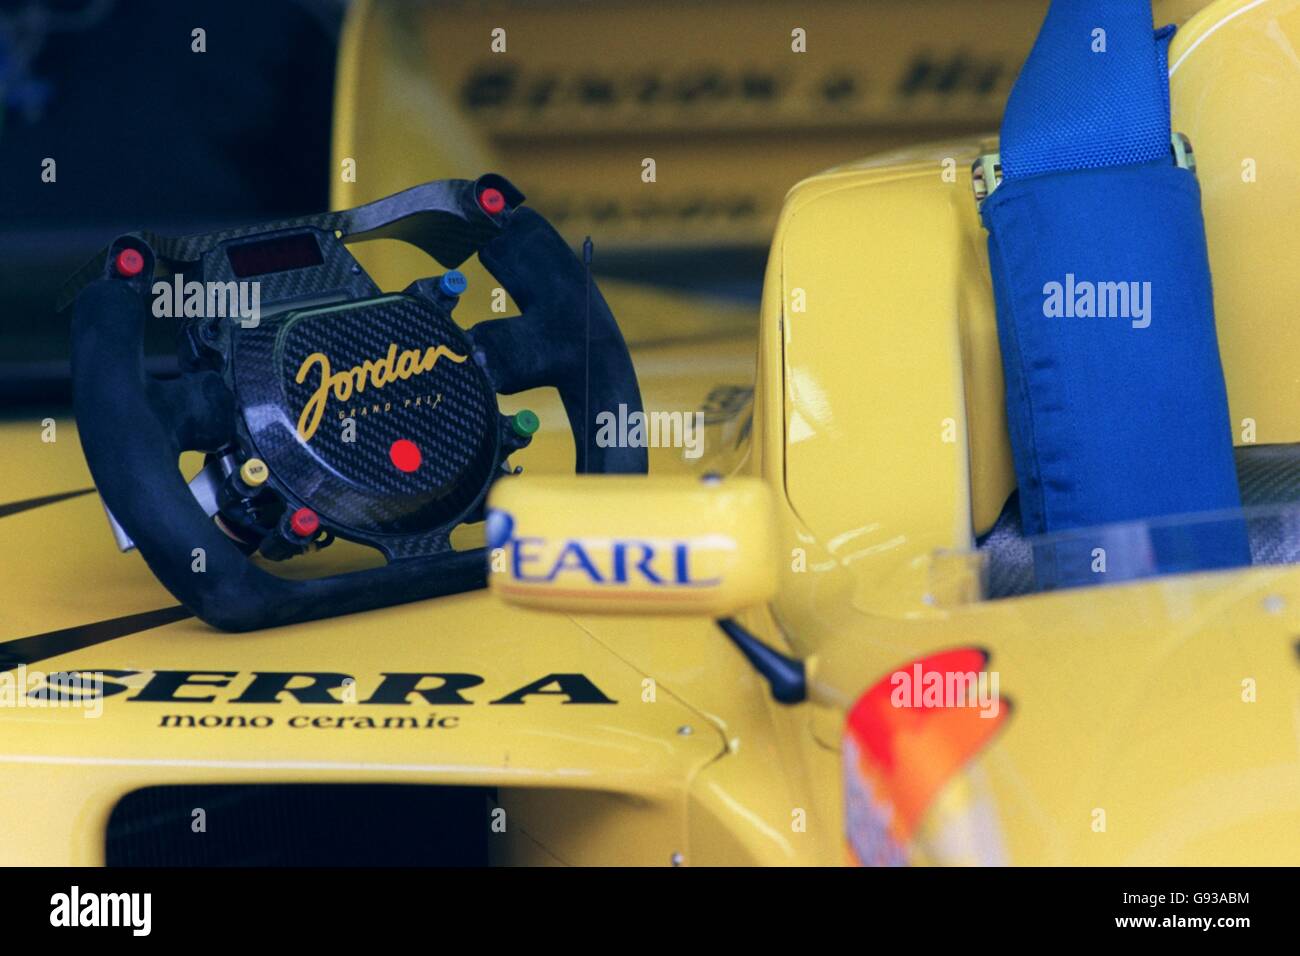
(274, 255)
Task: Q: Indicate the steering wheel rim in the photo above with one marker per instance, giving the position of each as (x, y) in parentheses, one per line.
(133, 427)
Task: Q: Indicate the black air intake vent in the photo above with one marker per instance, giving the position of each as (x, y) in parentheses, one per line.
(300, 825)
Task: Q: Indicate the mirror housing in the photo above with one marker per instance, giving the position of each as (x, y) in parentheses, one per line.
(630, 544)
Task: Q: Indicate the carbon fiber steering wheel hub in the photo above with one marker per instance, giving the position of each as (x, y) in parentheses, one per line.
(373, 413)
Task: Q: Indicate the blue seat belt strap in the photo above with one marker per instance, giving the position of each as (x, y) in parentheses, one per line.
(1116, 404)
(1094, 92)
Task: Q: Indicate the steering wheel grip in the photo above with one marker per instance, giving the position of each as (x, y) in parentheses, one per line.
(132, 429)
(556, 341)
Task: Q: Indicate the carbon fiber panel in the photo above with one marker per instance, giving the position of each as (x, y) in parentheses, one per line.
(1269, 478)
(432, 394)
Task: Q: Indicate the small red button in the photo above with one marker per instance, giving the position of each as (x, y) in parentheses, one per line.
(304, 523)
(491, 200)
(129, 263)
(405, 455)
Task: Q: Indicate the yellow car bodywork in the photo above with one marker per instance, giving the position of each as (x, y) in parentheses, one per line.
(876, 420)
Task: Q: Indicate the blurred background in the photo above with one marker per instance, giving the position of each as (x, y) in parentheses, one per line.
(148, 132)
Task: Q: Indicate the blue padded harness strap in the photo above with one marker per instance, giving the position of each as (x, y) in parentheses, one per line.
(1094, 91)
(1116, 404)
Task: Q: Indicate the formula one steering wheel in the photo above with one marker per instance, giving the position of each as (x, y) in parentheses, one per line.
(327, 408)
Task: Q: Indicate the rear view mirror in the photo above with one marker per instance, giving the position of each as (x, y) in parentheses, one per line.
(624, 544)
